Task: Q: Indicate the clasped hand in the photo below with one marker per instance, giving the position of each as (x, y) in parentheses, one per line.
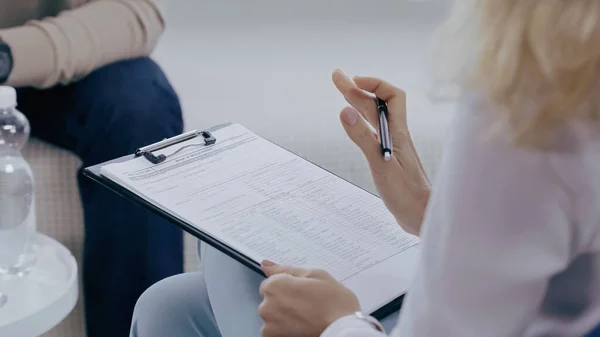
(303, 303)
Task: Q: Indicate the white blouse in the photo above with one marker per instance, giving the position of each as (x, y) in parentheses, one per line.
(510, 241)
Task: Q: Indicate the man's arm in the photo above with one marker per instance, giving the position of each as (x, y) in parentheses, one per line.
(65, 48)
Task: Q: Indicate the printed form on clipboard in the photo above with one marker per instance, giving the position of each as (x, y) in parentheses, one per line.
(268, 203)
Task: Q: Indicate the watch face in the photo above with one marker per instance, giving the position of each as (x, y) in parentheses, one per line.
(4, 64)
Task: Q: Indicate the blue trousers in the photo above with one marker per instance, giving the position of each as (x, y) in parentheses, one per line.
(108, 114)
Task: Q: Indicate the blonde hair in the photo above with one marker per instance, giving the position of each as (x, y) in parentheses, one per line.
(538, 60)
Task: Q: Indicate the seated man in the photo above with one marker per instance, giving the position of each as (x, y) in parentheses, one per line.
(86, 84)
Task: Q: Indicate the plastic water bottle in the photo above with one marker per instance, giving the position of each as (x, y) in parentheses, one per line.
(17, 191)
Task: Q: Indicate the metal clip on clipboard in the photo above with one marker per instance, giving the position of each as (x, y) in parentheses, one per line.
(146, 151)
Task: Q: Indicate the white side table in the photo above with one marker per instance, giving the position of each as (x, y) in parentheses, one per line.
(43, 298)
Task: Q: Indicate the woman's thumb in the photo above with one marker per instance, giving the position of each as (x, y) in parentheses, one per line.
(361, 133)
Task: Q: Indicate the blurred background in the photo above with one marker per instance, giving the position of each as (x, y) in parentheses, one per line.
(266, 64)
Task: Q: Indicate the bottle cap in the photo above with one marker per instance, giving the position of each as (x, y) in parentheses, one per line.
(8, 97)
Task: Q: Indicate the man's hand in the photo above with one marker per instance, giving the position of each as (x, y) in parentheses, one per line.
(402, 182)
(302, 303)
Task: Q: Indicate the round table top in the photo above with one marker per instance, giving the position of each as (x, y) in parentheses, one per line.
(43, 298)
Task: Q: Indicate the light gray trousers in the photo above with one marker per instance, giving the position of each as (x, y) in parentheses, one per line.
(179, 306)
(176, 307)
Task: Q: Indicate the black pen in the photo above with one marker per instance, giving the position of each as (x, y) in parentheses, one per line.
(384, 129)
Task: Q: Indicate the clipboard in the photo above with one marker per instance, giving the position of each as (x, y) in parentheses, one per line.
(94, 173)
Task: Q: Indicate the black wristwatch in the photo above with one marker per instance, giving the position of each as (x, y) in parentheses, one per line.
(6, 62)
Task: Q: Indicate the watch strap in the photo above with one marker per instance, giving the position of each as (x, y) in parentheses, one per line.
(371, 320)
(6, 61)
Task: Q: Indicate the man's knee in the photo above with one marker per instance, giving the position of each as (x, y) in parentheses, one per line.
(139, 95)
(131, 104)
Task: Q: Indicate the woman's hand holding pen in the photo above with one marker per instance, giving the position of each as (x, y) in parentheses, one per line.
(402, 182)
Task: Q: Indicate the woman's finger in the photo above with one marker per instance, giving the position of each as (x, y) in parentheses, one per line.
(363, 136)
(394, 96)
(362, 101)
(270, 269)
(396, 99)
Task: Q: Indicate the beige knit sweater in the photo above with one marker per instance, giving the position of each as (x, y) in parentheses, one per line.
(60, 41)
